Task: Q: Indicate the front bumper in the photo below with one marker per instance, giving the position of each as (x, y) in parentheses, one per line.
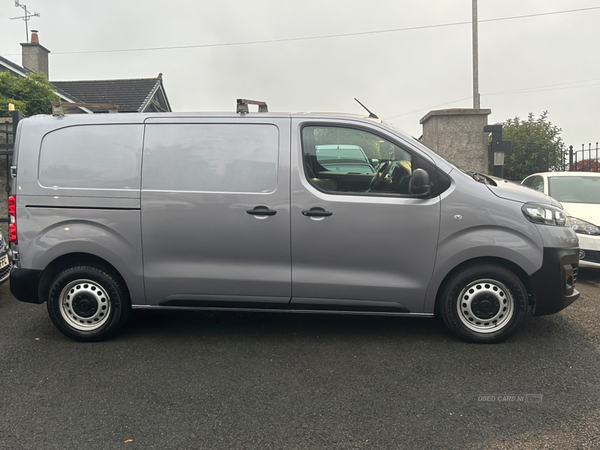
(554, 284)
(586, 261)
(589, 253)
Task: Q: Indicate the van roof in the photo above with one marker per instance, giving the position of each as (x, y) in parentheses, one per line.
(101, 116)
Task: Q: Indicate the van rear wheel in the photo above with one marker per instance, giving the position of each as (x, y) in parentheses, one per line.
(486, 303)
(87, 303)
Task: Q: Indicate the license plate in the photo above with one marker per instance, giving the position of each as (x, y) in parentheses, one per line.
(4, 261)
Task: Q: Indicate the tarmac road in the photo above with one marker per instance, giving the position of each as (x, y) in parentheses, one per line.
(282, 381)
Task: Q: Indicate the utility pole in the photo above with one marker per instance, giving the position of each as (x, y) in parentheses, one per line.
(476, 102)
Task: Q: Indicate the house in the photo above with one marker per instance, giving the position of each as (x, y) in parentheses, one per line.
(131, 95)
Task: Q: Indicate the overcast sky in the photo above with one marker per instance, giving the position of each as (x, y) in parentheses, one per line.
(530, 64)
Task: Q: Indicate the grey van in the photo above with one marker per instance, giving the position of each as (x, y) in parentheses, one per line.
(116, 212)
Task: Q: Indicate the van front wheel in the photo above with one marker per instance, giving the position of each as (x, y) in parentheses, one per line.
(486, 303)
(87, 303)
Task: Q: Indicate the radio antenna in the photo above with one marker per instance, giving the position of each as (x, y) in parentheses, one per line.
(371, 115)
(25, 18)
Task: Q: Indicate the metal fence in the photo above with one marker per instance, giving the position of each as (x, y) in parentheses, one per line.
(586, 159)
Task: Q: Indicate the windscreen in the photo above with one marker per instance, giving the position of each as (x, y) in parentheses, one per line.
(575, 189)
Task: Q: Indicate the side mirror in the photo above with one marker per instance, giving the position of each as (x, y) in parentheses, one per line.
(419, 183)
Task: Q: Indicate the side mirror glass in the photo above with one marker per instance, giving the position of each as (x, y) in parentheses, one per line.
(419, 183)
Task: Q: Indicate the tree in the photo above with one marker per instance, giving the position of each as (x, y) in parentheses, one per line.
(536, 146)
(29, 95)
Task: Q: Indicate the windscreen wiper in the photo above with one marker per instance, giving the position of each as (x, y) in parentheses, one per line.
(482, 178)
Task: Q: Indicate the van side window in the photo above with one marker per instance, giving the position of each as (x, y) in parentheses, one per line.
(92, 157)
(211, 157)
(345, 160)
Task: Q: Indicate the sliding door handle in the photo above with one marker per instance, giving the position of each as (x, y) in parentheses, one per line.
(261, 211)
(316, 212)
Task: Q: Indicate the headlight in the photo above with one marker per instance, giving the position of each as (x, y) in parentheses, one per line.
(582, 227)
(544, 214)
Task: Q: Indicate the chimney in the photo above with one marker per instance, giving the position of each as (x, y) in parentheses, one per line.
(35, 56)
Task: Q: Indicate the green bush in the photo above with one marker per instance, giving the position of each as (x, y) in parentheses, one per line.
(536, 146)
(30, 95)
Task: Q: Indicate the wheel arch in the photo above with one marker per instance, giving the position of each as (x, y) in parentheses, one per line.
(72, 259)
(516, 269)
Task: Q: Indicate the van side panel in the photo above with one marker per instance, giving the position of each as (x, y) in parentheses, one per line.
(78, 191)
(48, 231)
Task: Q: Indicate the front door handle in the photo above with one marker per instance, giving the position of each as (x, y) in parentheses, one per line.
(316, 212)
(261, 211)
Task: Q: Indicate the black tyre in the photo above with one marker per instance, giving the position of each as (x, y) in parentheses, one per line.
(486, 303)
(87, 303)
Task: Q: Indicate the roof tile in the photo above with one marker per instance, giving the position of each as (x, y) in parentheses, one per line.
(131, 95)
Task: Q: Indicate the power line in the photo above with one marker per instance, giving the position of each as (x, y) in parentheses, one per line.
(326, 36)
(549, 87)
(427, 109)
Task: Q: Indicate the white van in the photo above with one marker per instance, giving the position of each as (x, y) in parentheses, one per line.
(234, 211)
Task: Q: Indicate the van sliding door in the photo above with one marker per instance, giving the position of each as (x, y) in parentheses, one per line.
(215, 212)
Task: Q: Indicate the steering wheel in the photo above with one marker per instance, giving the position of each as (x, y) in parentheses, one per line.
(379, 176)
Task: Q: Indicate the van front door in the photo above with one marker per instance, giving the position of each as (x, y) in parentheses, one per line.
(360, 239)
(215, 212)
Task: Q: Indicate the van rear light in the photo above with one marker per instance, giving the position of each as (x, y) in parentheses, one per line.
(12, 215)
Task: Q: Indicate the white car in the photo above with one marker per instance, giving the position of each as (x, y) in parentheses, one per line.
(579, 194)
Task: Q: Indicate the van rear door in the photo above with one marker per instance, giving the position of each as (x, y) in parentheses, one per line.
(215, 212)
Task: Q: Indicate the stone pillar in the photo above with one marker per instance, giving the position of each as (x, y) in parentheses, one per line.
(457, 135)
